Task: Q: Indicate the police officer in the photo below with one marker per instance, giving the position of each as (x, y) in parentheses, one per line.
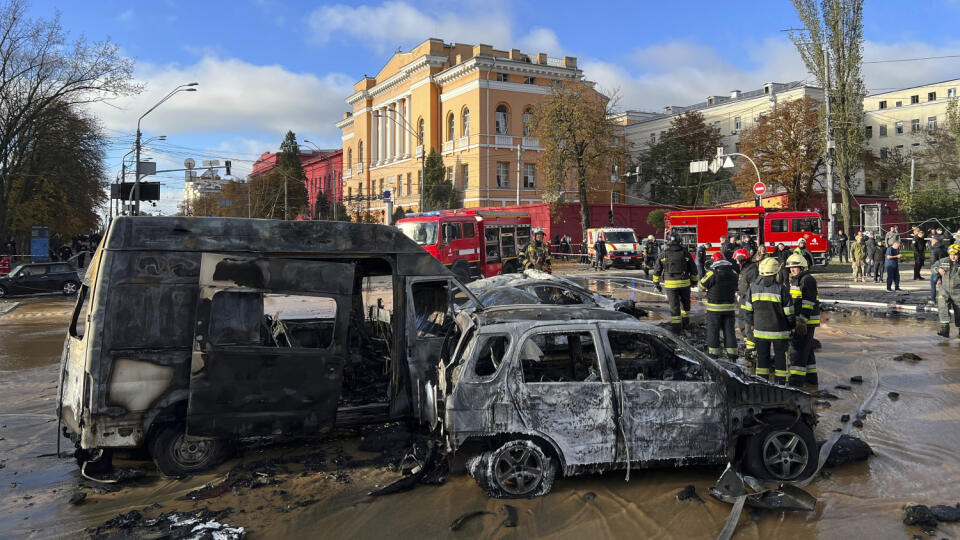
(720, 284)
(806, 306)
(769, 310)
(599, 252)
(537, 253)
(673, 270)
(948, 291)
(748, 274)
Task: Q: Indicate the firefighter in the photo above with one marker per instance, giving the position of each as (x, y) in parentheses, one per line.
(803, 251)
(748, 274)
(673, 271)
(649, 255)
(720, 284)
(948, 291)
(806, 307)
(599, 252)
(537, 253)
(769, 310)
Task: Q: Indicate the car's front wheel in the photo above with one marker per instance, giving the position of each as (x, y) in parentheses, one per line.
(175, 455)
(784, 450)
(70, 288)
(3, 292)
(518, 469)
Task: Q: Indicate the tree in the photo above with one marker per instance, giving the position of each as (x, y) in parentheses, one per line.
(837, 26)
(290, 177)
(933, 200)
(786, 147)
(438, 193)
(939, 157)
(667, 163)
(41, 71)
(885, 172)
(574, 128)
(398, 213)
(657, 219)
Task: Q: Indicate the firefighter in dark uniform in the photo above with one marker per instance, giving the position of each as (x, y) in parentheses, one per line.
(806, 306)
(748, 274)
(649, 254)
(769, 310)
(720, 284)
(673, 271)
(537, 253)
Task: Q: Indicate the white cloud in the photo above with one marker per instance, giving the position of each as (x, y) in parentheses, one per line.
(540, 40)
(894, 75)
(125, 16)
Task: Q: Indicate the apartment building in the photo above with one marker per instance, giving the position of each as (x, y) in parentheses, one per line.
(473, 104)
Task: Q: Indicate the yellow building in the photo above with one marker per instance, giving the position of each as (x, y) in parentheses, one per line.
(472, 103)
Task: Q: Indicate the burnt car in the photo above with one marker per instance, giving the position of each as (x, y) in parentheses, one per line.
(536, 287)
(528, 394)
(190, 334)
(40, 278)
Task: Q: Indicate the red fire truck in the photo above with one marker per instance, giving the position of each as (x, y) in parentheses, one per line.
(768, 226)
(472, 243)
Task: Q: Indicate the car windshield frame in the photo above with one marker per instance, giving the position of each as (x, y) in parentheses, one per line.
(410, 229)
(614, 237)
(16, 270)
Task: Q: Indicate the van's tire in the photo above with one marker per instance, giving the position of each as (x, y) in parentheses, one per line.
(175, 456)
(519, 469)
(70, 288)
(784, 450)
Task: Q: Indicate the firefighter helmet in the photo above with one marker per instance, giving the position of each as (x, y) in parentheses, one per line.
(650, 237)
(538, 230)
(674, 239)
(769, 266)
(954, 249)
(741, 254)
(796, 259)
(717, 256)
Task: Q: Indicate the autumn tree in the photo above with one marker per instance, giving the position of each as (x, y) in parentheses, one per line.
(787, 149)
(835, 27)
(43, 73)
(666, 163)
(578, 139)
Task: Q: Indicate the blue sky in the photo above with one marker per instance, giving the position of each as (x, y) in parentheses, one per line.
(265, 66)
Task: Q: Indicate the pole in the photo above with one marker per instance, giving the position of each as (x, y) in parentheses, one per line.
(249, 214)
(831, 223)
(423, 170)
(913, 169)
(285, 216)
(519, 166)
(136, 182)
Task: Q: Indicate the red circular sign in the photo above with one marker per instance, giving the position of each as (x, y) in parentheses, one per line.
(759, 188)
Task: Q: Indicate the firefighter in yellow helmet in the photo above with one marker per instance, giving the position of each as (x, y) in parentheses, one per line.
(769, 309)
(537, 254)
(948, 289)
(806, 305)
(673, 271)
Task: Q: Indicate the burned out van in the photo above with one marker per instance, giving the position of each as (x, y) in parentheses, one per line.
(190, 333)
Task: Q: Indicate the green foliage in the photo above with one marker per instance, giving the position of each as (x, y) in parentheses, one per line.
(398, 213)
(932, 200)
(657, 219)
(438, 193)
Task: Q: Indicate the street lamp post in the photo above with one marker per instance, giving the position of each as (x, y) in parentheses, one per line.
(423, 150)
(136, 186)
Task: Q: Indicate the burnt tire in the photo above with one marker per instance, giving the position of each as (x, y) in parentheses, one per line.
(519, 469)
(784, 450)
(70, 288)
(174, 455)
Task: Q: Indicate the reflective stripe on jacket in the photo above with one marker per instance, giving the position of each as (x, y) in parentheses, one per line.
(769, 308)
(674, 267)
(806, 299)
(721, 286)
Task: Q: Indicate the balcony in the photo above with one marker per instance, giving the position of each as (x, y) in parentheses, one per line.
(531, 142)
(447, 146)
(503, 140)
(463, 142)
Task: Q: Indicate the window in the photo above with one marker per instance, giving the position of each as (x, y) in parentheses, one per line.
(419, 181)
(400, 185)
(430, 305)
(736, 147)
(736, 123)
(883, 130)
(811, 225)
(503, 174)
(502, 117)
(299, 321)
(502, 77)
(560, 357)
(559, 296)
(931, 125)
(653, 138)
(869, 132)
(951, 92)
(469, 230)
(490, 354)
(466, 122)
(778, 225)
(61, 269)
(931, 96)
(530, 80)
(527, 117)
(615, 197)
(465, 174)
(883, 153)
(349, 192)
(420, 132)
(450, 174)
(491, 236)
(914, 100)
(883, 104)
(237, 317)
(915, 125)
(380, 193)
(716, 126)
(898, 128)
(37, 270)
(360, 153)
(450, 126)
(350, 158)
(899, 104)
(529, 176)
(409, 185)
(899, 147)
(451, 232)
(508, 244)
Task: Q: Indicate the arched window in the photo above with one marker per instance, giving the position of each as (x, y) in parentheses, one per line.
(420, 132)
(450, 130)
(349, 158)
(502, 117)
(527, 117)
(466, 122)
(360, 153)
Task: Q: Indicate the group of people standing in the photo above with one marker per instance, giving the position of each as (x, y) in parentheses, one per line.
(779, 306)
(872, 256)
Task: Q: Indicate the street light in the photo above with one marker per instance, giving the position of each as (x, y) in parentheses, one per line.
(423, 150)
(136, 185)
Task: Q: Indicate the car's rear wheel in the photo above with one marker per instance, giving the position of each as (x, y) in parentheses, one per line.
(3, 292)
(174, 455)
(784, 450)
(70, 288)
(518, 469)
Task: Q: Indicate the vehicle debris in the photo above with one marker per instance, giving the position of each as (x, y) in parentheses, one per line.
(893, 395)
(921, 516)
(77, 498)
(460, 521)
(822, 403)
(823, 394)
(689, 492)
(856, 379)
(910, 357)
(199, 524)
(843, 387)
(732, 486)
(858, 423)
(844, 418)
(512, 518)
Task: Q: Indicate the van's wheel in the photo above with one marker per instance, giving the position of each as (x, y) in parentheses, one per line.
(174, 455)
(70, 288)
(518, 469)
(784, 450)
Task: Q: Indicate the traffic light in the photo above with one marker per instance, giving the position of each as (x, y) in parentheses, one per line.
(610, 216)
(227, 164)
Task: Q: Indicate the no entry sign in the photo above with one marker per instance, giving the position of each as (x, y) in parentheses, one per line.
(759, 188)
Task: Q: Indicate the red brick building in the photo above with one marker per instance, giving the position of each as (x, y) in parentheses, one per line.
(323, 169)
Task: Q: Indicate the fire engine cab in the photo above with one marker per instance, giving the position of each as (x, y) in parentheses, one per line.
(472, 243)
(768, 227)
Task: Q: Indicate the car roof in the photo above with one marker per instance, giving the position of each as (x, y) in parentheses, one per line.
(548, 314)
